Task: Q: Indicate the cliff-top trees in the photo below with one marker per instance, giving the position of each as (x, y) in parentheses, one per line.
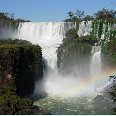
(70, 14)
(105, 14)
(79, 14)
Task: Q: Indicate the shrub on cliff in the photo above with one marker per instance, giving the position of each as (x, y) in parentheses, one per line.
(23, 63)
(73, 52)
(9, 101)
(15, 41)
(11, 104)
(105, 14)
(108, 52)
(71, 34)
(87, 39)
(20, 66)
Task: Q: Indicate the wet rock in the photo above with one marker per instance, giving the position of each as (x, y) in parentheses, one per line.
(98, 98)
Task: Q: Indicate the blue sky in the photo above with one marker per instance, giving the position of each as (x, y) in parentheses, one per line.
(52, 10)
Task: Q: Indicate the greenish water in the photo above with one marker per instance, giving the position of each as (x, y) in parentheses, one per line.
(76, 105)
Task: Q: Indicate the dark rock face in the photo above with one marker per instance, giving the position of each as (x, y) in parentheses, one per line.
(98, 98)
(17, 108)
(108, 54)
(24, 64)
(30, 110)
(73, 56)
(20, 67)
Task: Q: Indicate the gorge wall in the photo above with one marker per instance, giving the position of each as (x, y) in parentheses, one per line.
(23, 64)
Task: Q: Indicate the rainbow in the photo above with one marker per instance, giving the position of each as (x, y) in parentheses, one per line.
(84, 85)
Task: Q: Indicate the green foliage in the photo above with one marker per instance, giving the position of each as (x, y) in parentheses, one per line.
(71, 14)
(79, 13)
(8, 98)
(87, 39)
(74, 52)
(10, 17)
(20, 66)
(88, 18)
(108, 52)
(15, 41)
(105, 14)
(8, 21)
(71, 33)
(23, 62)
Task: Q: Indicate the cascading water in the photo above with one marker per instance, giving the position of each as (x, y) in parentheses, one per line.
(96, 63)
(96, 60)
(48, 35)
(67, 90)
(96, 69)
(85, 28)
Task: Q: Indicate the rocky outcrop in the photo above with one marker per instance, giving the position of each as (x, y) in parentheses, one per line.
(72, 55)
(11, 104)
(109, 54)
(23, 64)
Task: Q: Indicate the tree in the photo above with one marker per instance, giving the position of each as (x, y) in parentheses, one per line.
(105, 14)
(70, 14)
(12, 16)
(88, 18)
(3, 15)
(71, 33)
(79, 13)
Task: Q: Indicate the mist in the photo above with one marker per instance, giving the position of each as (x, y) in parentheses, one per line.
(76, 78)
(6, 33)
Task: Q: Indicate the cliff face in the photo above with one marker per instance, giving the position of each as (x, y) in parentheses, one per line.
(23, 64)
(109, 54)
(73, 55)
(77, 45)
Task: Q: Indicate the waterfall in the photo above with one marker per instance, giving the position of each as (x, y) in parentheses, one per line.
(96, 68)
(48, 35)
(96, 60)
(85, 28)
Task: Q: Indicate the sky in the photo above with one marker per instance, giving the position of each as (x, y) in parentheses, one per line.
(52, 10)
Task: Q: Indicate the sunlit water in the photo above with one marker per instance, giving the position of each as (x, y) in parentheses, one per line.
(63, 91)
(74, 106)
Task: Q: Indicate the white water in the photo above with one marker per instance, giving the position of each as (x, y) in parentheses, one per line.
(85, 28)
(96, 66)
(96, 60)
(96, 69)
(48, 35)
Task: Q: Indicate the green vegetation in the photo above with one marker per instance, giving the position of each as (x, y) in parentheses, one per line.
(10, 17)
(24, 63)
(9, 101)
(108, 52)
(7, 21)
(15, 41)
(21, 62)
(72, 37)
(104, 14)
(11, 104)
(71, 33)
(74, 51)
(20, 66)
